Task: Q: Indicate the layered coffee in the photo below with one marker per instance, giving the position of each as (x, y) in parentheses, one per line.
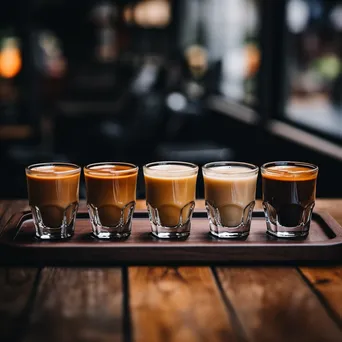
(171, 190)
(53, 192)
(289, 193)
(111, 197)
(230, 190)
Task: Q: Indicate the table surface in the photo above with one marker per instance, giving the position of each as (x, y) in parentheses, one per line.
(148, 304)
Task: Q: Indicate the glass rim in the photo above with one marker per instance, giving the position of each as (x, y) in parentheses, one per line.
(90, 167)
(75, 168)
(193, 167)
(310, 168)
(250, 168)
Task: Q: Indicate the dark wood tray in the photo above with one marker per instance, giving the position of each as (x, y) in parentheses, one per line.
(18, 244)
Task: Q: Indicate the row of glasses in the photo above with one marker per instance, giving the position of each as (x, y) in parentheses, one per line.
(289, 192)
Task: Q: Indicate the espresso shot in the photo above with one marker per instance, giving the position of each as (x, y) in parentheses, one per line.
(229, 189)
(53, 193)
(289, 194)
(170, 197)
(111, 198)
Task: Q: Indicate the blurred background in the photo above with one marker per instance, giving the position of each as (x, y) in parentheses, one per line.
(192, 80)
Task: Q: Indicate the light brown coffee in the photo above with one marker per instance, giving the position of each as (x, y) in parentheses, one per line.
(171, 189)
(111, 188)
(54, 191)
(230, 190)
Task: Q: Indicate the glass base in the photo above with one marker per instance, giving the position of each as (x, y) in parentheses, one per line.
(122, 223)
(183, 216)
(240, 222)
(110, 233)
(45, 233)
(239, 232)
(280, 231)
(62, 220)
(289, 221)
(177, 232)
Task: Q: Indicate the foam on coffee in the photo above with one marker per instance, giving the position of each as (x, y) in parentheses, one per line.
(110, 171)
(47, 168)
(170, 171)
(230, 172)
(52, 171)
(289, 173)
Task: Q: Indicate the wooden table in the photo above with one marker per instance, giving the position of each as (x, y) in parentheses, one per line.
(148, 304)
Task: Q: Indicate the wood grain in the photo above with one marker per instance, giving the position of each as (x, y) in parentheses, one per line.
(332, 206)
(3, 207)
(17, 288)
(5, 213)
(77, 305)
(272, 303)
(176, 305)
(275, 304)
(8, 208)
(328, 282)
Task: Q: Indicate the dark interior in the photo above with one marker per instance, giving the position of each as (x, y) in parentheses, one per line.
(104, 81)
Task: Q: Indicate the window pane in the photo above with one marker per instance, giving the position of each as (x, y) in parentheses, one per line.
(228, 30)
(315, 64)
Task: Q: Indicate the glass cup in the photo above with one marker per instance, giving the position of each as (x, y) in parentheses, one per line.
(229, 191)
(111, 198)
(53, 197)
(289, 193)
(170, 197)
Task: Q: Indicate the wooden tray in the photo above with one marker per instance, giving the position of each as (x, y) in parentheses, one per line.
(18, 244)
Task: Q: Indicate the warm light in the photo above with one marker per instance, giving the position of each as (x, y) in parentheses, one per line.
(197, 59)
(253, 60)
(10, 59)
(152, 13)
(128, 14)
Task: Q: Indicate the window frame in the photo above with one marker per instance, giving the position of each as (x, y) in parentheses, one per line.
(272, 83)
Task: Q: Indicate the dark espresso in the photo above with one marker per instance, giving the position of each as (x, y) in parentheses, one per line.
(289, 193)
(53, 192)
(111, 191)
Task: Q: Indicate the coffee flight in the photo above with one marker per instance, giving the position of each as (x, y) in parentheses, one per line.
(288, 190)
